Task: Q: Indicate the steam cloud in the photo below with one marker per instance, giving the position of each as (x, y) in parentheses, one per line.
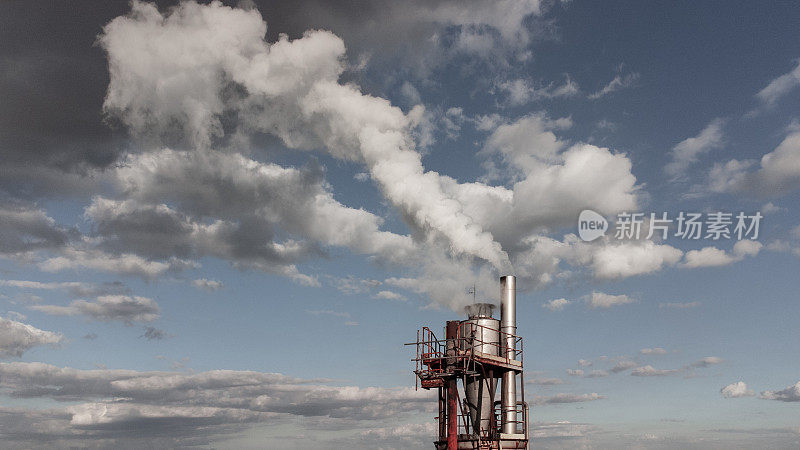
(197, 83)
(177, 67)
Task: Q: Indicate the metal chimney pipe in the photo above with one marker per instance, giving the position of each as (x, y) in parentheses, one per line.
(508, 329)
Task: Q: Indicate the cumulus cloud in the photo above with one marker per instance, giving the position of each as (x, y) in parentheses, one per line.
(123, 308)
(605, 259)
(207, 285)
(191, 187)
(389, 295)
(292, 90)
(556, 304)
(790, 394)
(123, 264)
(713, 256)
(633, 258)
(605, 301)
(623, 366)
(179, 405)
(736, 390)
(16, 338)
(689, 150)
(549, 173)
(26, 229)
(258, 199)
(776, 174)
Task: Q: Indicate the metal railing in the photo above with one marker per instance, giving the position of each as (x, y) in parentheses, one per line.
(521, 423)
(476, 339)
(433, 357)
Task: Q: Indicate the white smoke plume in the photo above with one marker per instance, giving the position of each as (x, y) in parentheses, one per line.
(202, 80)
(177, 68)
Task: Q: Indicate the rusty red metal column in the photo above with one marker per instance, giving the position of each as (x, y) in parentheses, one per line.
(452, 415)
(451, 335)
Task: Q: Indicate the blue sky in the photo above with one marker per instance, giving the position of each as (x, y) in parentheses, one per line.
(216, 235)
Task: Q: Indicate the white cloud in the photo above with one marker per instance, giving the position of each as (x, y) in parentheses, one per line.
(566, 398)
(653, 351)
(687, 151)
(17, 337)
(713, 257)
(771, 208)
(27, 228)
(389, 295)
(169, 396)
(736, 390)
(292, 91)
(353, 285)
(521, 91)
(208, 197)
(604, 301)
(575, 372)
(597, 374)
(127, 309)
(250, 199)
(790, 394)
(708, 361)
(584, 363)
(124, 264)
(707, 257)
(778, 172)
(650, 371)
(617, 83)
(556, 304)
(779, 87)
(633, 258)
(623, 366)
(442, 280)
(545, 381)
(73, 288)
(561, 429)
(207, 285)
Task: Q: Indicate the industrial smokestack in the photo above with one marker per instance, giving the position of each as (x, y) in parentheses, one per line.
(508, 329)
(480, 351)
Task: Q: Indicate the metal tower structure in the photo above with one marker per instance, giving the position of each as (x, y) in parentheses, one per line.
(465, 368)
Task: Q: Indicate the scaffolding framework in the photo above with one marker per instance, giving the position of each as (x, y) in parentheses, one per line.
(462, 355)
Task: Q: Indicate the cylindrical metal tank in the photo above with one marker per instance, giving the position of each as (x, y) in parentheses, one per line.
(480, 333)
